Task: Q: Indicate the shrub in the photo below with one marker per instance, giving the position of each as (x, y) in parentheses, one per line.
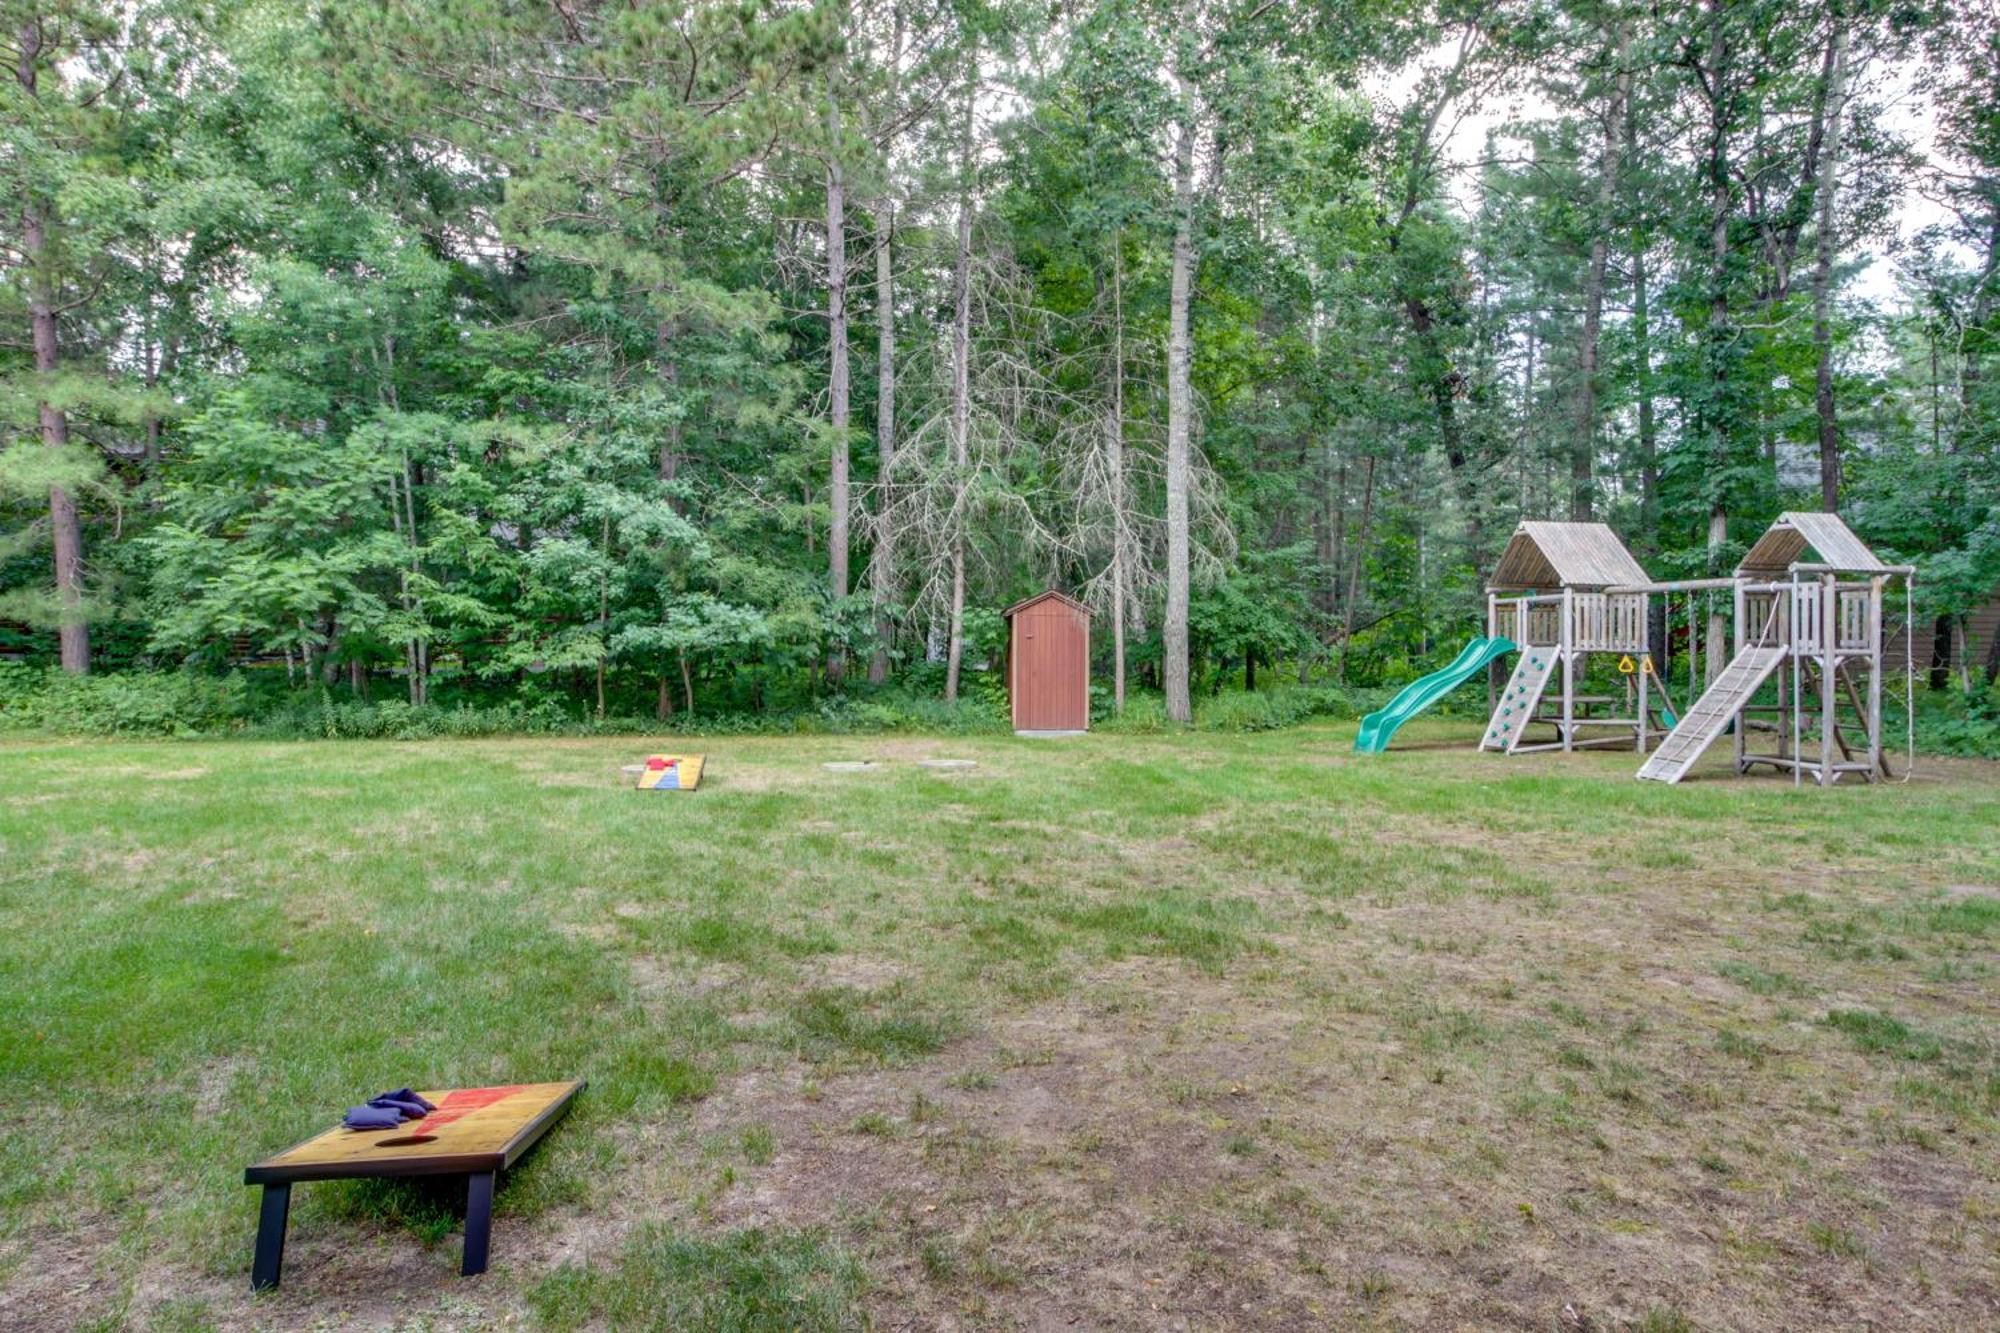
(167, 703)
(1237, 710)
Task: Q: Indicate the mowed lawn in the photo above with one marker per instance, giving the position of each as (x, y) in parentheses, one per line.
(1121, 1031)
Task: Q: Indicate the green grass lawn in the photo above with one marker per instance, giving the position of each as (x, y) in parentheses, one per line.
(1142, 1031)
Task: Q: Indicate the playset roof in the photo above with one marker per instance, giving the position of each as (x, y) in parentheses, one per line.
(1547, 556)
(1795, 534)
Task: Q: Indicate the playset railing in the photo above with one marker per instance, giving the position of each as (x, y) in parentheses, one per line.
(1796, 616)
(1599, 622)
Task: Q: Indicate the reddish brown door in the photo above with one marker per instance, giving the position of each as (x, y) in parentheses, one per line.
(1051, 668)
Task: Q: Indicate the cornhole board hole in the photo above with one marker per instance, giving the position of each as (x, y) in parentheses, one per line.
(670, 772)
(474, 1132)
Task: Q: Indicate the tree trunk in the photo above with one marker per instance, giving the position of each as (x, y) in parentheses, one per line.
(670, 378)
(1354, 571)
(1718, 424)
(1114, 444)
(663, 703)
(837, 378)
(1180, 411)
(1649, 436)
(1829, 422)
(882, 562)
(882, 569)
(1974, 367)
(1583, 459)
(1717, 644)
(961, 402)
(73, 632)
(1642, 350)
(1941, 633)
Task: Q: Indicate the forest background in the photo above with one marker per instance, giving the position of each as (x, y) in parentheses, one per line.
(403, 366)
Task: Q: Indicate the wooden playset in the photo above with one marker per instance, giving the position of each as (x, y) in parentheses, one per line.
(1562, 592)
(1807, 670)
(1801, 691)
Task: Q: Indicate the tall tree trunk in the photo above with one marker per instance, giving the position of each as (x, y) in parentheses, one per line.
(837, 376)
(1114, 446)
(1718, 425)
(1353, 596)
(1972, 368)
(1583, 459)
(961, 401)
(882, 568)
(1642, 348)
(1649, 435)
(603, 610)
(670, 458)
(73, 632)
(1717, 645)
(1941, 637)
(1180, 411)
(882, 559)
(1829, 186)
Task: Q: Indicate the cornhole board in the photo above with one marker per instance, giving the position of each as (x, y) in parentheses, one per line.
(670, 772)
(474, 1132)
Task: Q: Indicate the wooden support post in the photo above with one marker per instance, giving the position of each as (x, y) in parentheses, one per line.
(1568, 637)
(1876, 589)
(1736, 727)
(1492, 632)
(478, 1222)
(1793, 709)
(1829, 633)
(1645, 660)
(269, 1260)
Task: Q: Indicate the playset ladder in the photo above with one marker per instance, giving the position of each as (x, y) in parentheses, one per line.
(1712, 713)
(1518, 701)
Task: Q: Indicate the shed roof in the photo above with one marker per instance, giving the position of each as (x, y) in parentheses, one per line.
(1566, 555)
(1795, 534)
(1044, 596)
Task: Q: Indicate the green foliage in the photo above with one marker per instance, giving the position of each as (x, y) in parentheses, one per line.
(1235, 710)
(173, 703)
(382, 354)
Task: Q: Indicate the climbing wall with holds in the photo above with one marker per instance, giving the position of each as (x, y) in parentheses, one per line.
(1517, 702)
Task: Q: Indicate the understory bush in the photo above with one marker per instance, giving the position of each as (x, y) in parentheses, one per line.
(174, 704)
(168, 703)
(1237, 710)
(189, 704)
(1956, 722)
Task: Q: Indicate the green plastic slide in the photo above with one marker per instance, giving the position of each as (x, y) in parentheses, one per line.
(1378, 727)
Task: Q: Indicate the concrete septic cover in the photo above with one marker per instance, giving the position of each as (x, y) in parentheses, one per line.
(850, 766)
(948, 763)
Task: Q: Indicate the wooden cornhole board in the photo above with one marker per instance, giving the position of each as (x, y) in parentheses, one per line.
(670, 772)
(474, 1132)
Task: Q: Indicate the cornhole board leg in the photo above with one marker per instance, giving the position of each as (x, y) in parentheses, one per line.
(270, 1257)
(478, 1222)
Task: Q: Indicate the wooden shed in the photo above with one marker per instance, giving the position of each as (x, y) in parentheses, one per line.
(1048, 664)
